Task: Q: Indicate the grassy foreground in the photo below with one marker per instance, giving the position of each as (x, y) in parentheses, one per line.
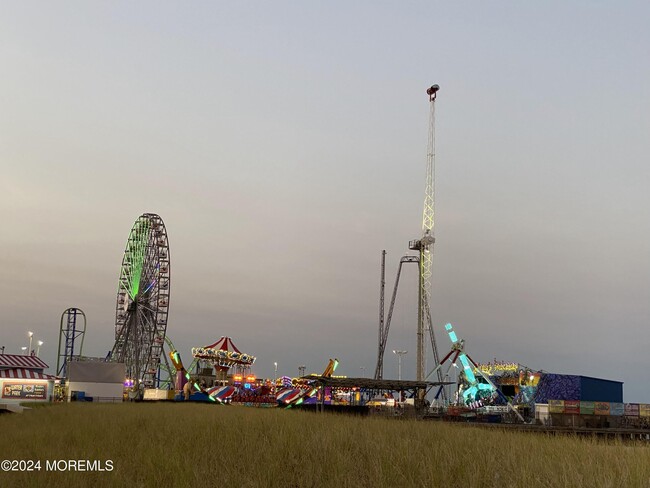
(166, 444)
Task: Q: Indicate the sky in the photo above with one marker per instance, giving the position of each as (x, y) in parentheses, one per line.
(284, 146)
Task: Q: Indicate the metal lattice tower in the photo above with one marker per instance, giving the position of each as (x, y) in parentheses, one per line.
(71, 332)
(425, 245)
(379, 369)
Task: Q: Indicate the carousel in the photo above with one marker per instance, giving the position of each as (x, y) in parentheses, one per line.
(223, 355)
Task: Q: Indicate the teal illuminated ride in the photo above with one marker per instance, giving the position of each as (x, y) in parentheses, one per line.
(473, 392)
(143, 303)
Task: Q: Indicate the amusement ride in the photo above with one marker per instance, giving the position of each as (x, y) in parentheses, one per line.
(143, 302)
(71, 339)
(424, 246)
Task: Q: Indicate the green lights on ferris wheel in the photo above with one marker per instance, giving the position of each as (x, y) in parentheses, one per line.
(137, 250)
(141, 310)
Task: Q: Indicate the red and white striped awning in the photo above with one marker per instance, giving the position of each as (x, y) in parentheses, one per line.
(21, 361)
(25, 374)
(223, 344)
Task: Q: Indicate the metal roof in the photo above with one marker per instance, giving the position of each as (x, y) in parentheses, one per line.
(21, 361)
(372, 384)
(25, 374)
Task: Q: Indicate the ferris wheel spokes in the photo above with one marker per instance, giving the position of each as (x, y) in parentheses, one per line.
(143, 301)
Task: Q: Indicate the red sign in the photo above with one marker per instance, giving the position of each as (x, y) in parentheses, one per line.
(25, 391)
(572, 406)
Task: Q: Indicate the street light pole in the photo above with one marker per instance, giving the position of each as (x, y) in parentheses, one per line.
(31, 337)
(38, 349)
(399, 362)
(275, 381)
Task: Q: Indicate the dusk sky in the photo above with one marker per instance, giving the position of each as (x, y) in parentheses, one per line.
(284, 146)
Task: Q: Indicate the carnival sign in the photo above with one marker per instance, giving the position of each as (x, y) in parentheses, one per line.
(27, 391)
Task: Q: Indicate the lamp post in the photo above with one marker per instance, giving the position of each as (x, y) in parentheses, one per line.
(456, 385)
(275, 381)
(31, 337)
(38, 349)
(24, 348)
(399, 362)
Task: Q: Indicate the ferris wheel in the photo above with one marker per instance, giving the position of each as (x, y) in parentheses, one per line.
(143, 302)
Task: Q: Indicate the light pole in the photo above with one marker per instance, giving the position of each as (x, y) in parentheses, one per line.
(399, 362)
(31, 337)
(24, 348)
(275, 381)
(38, 349)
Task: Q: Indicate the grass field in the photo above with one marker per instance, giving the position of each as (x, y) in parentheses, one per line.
(178, 445)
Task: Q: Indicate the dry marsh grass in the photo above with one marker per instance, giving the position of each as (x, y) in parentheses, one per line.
(187, 445)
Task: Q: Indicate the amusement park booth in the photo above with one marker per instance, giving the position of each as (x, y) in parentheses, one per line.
(22, 379)
(98, 381)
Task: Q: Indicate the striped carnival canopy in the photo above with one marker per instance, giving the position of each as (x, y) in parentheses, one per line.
(25, 374)
(222, 393)
(21, 361)
(224, 354)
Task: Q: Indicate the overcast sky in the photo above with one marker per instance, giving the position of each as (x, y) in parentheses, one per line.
(284, 146)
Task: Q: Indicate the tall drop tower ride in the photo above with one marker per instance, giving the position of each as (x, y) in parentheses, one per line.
(425, 245)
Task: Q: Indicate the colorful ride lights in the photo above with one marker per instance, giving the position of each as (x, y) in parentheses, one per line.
(301, 382)
(497, 367)
(209, 353)
(250, 379)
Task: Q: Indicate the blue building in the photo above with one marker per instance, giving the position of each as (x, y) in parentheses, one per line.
(574, 387)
